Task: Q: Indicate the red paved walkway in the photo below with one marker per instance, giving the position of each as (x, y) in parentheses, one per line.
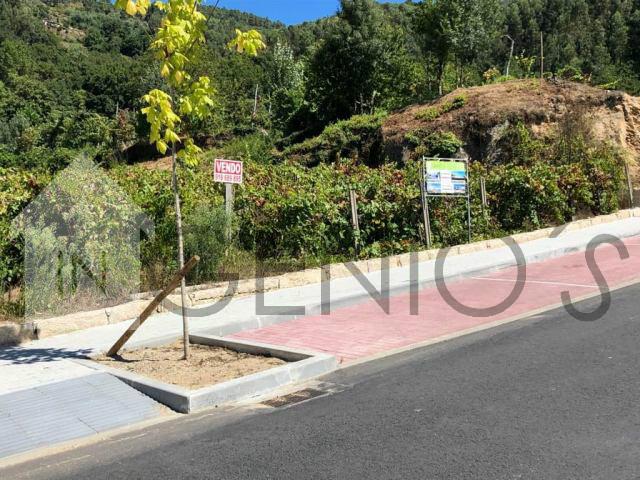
(365, 329)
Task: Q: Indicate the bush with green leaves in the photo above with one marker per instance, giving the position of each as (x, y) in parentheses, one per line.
(207, 229)
(288, 215)
(361, 135)
(433, 144)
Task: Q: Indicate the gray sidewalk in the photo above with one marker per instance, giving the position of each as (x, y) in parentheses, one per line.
(41, 373)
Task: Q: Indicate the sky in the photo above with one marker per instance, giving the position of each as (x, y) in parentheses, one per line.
(289, 12)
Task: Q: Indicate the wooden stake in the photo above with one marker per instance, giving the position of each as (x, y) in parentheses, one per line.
(173, 284)
(355, 222)
(629, 184)
(513, 44)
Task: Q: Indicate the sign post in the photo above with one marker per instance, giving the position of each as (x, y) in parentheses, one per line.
(445, 177)
(229, 172)
(425, 207)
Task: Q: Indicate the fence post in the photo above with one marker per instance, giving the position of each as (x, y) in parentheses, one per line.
(355, 222)
(483, 194)
(629, 184)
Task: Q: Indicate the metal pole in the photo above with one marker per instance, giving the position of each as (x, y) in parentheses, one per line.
(228, 204)
(428, 222)
(469, 215)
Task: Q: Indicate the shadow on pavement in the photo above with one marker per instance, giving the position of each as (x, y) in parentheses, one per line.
(24, 356)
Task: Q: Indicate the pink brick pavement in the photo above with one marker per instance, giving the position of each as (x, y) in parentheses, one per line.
(364, 330)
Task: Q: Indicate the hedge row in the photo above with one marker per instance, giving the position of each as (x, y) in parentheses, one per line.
(290, 212)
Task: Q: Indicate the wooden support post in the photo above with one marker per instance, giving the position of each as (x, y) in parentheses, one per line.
(629, 184)
(173, 284)
(483, 194)
(355, 222)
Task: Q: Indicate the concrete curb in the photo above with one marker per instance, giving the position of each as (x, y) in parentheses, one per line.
(305, 366)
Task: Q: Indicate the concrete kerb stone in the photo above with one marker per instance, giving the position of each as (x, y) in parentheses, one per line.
(297, 279)
(303, 366)
(208, 293)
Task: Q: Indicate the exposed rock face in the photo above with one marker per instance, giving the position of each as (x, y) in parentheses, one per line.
(487, 110)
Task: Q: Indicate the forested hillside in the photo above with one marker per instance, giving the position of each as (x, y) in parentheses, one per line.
(310, 117)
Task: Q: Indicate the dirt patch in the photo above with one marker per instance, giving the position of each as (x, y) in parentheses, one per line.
(540, 106)
(206, 366)
(159, 164)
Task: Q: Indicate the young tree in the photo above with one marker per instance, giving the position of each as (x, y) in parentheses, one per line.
(285, 82)
(434, 23)
(180, 34)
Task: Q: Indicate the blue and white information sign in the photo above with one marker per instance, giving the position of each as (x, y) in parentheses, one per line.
(446, 177)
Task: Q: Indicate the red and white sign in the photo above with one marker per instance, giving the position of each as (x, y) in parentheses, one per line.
(227, 171)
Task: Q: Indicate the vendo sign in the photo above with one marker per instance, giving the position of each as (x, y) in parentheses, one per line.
(227, 171)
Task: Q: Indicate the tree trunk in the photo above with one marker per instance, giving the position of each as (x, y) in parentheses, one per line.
(183, 283)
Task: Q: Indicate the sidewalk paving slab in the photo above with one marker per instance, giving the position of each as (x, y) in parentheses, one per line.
(68, 410)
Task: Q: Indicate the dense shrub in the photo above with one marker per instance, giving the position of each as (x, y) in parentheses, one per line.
(17, 188)
(206, 230)
(434, 144)
(290, 216)
(360, 135)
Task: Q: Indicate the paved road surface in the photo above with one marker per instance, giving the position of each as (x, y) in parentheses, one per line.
(544, 398)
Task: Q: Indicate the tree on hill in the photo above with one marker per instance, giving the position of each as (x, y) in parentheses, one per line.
(457, 30)
(360, 58)
(341, 71)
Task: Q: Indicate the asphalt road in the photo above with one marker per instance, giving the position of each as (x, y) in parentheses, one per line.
(545, 398)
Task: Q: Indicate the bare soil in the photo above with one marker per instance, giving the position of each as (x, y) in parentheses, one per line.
(206, 366)
(616, 115)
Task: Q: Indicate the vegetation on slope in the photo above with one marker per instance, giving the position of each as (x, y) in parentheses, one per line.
(309, 120)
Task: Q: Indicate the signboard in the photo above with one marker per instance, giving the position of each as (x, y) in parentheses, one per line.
(446, 177)
(227, 171)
